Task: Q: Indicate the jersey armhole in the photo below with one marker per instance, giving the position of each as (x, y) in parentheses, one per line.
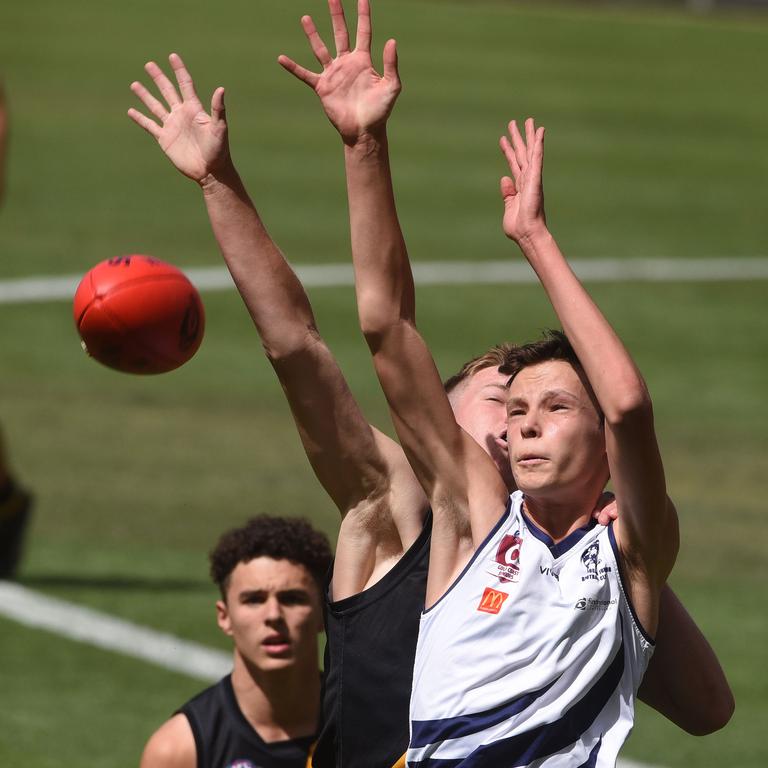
(638, 627)
(197, 735)
(472, 559)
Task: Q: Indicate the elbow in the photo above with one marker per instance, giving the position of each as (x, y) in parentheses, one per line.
(378, 329)
(381, 315)
(632, 406)
(717, 715)
(288, 346)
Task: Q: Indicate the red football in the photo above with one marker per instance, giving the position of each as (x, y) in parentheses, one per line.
(138, 315)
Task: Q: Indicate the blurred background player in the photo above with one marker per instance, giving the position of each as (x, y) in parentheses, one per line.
(265, 713)
(378, 586)
(15, 502)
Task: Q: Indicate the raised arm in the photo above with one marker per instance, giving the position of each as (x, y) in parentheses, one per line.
(646, 529)
(358, 101)
(354, 462)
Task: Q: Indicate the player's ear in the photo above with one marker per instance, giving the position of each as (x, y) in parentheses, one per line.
(222, 617)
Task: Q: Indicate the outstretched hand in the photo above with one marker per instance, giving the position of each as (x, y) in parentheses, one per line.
(355, 97)
(195, 142)
(523, 194)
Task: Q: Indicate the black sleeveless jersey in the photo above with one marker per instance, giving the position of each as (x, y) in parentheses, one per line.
(369, 657)
(225, 739)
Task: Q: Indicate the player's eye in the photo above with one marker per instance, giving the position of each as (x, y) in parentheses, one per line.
(296, 597)
(253, 598)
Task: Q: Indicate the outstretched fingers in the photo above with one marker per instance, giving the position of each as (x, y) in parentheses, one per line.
(518, 145)
(164, 85)
(536, 156)
(530, 137)
(363, 42)
(509, 153)
(183, 78)
(340, 32)
(149, 101)
(315, 41)
(150, 126)
(303, 74)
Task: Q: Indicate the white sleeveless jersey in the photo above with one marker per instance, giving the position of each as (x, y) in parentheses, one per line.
(532, 658)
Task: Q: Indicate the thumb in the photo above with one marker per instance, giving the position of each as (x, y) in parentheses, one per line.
(390, 61)
(508, 190)
(218, 111)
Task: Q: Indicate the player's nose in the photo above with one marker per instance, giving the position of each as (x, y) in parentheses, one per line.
(529, 425)
(272, 609)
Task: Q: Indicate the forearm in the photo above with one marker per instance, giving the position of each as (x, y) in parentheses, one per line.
(383, 280)
(647, 527)
(616, 381)
(270, 289)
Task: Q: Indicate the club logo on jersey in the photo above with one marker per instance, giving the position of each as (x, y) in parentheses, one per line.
(591, 560)
(242, 764)
(492, 600)
(506, 564)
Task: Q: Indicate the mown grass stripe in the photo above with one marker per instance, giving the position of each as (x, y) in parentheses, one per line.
(33, 289)
(86, 625)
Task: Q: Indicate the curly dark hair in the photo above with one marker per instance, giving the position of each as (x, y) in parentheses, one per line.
(281, 538)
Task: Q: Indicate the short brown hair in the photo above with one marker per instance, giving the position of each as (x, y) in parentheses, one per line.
(554, 346)
(281, 538)
(496, 356)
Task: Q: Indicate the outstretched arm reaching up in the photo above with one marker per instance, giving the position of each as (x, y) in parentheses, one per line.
(355, 463)
(451, 467)
(646, 529)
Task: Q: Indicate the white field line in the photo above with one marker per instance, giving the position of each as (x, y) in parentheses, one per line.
(24, 290)
(86, 625)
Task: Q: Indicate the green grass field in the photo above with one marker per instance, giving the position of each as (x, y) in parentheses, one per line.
(656, 147)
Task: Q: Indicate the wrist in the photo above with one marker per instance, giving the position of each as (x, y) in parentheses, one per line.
(366, 143)
(224, 177)
(534, 238)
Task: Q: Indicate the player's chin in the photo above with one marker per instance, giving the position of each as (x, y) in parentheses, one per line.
(531, 479)
(274, 661)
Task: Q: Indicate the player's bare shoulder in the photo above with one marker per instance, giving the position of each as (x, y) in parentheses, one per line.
(172, 745)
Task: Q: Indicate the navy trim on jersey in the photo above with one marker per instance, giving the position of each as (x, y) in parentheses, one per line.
(524, 748)
(425, 732)
(617, 556)
(474, 557)
(389, 581)
(570, 541)
(592, 759)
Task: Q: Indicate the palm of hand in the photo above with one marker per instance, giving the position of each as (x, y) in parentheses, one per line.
(354, 96)
(523, 210)
(191, 141)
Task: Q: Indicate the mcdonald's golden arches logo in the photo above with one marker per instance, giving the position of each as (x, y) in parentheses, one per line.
(492, 600)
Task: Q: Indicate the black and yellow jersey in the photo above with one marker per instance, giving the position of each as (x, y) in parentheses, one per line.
(369, 665)
(223, 736)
